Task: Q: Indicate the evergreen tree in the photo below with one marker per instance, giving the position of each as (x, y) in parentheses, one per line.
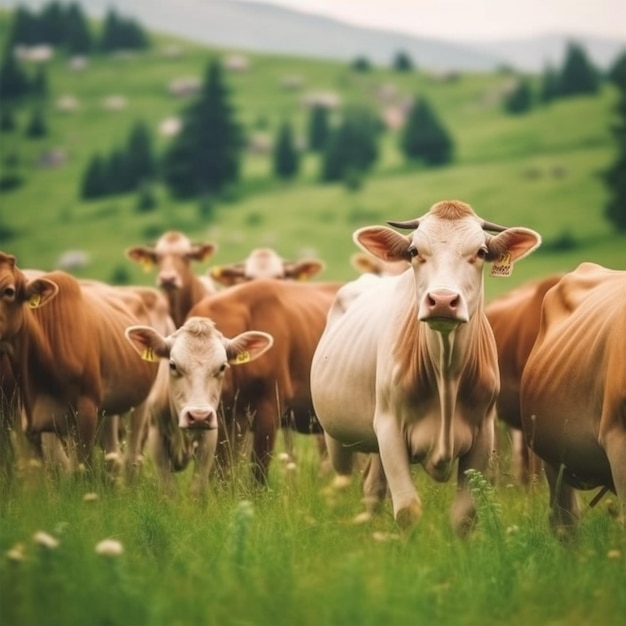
(361, 64)
(94, 183)
(615, 176)
(205, 155)
(140, 160)
(37, 126)
(549, 89)
(118, 174)
(617, 71)
(24, 29)
(319, 128)
(109, 39)
(14, 83)
(7, 120)
(402, 62)
(351, 147)
(78, 38)
(39, 86)
(52, 24)
(286, 156)
(424, 137)
(578, 75)
(520, 99)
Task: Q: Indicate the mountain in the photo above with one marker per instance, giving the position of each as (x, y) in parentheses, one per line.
(269, 28)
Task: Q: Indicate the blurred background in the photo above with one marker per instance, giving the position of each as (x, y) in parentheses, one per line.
(290, 124)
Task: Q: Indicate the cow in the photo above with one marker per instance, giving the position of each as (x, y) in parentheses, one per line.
(409, 371)
(275, 389)
(514, 319)
(67, 351)
(573, 390)
(184, 402)
(172, 255)
(366, 263)
(265, 263)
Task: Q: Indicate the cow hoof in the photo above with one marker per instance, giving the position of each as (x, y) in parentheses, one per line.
(409, 515)
(362, 518)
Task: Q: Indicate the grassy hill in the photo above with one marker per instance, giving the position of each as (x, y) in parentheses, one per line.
(539, 170)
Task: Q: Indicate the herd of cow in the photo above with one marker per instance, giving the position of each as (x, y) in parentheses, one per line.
(404, 365)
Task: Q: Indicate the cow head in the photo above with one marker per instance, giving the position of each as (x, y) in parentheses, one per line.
(16, 293)
(265, 263)
(198, 356)
(172, 255)
(447, 251)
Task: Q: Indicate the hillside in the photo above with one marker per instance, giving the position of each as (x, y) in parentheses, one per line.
(539, 170)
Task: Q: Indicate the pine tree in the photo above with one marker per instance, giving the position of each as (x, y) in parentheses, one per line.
(205, 156)
(14, 83)
(351, 147)
(578, 75)
(361, 64)
(319, 128)
(39, 86)
(424, 137)
(617, 71)
(615, 176)
(78, 38)
(94, 183)
(37, 126)
(52, 24)
(24, 29)
(140, 160)
(549, 89)
(402, 62)
(520, 99)
(7, 120)
(109, 40)
(286, 156)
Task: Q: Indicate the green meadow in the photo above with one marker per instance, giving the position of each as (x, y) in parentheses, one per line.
(290, 554)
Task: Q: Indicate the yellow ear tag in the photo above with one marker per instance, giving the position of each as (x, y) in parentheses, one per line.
(35, 301)
(146, 264)
(503, 266)
(216, 272)
(149, 355)
(302, 276)
(243, 357)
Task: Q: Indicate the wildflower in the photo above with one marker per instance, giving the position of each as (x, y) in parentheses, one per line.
(16, 553)
(109, 547)
(90, 497)
(291, 466)
(45, 540)
(384, 537)
(614, 554)
(283, 457)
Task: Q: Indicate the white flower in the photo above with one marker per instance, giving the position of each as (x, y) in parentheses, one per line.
(109, 547)
(16, 553)
(90, 497)
(45, 540)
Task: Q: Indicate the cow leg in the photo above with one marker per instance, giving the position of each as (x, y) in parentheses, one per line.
(54, 454)
(108, 434)
(614, 443)
(162, 462)
(136, 440)
(394, 456)
(564, 503)
(86, 429)
(374, 484)
(204, 457)
(341, 460)
(264, 429)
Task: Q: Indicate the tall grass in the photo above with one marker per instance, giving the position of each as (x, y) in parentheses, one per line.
(290, 554)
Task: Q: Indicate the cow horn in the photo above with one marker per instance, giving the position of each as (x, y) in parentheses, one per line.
(410, 224)
(493, 227)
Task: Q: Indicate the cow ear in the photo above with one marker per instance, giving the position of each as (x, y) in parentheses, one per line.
(148, 343)
(384, 243)
(305, 269)
(227, 275)
(247, 346)
(201, 251)
(146, 257)
(364, 263)
(509, 246)
(40, 291)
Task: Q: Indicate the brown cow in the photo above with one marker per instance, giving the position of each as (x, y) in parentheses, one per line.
(573, 389)
(67, 350)
(265, 263)
(172, 254)
(275, 387)
(183, 404)
(514, 319)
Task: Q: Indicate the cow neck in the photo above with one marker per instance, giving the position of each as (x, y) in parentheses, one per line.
(182, 300)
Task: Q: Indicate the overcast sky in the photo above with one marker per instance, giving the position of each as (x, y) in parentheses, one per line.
(476, 19)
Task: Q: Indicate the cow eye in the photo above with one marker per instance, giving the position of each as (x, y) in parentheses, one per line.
(8, 292)
(222, 368)
(413, 251)
(482, 253)
(173, 366)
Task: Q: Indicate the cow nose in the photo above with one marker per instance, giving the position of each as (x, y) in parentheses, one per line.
(168, 280)
(442, 303)
(199, 417)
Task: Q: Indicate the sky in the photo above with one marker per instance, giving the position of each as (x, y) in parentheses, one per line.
(475, 19)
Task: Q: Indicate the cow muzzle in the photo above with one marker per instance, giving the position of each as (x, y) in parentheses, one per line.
(170, 281)
(202, 418)
(443, 310)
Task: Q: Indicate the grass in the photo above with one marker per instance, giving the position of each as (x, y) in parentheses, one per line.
(291, 555)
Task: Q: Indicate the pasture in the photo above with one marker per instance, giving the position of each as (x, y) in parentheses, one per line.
(290, 554)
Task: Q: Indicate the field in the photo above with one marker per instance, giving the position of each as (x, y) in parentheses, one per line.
(291, 554)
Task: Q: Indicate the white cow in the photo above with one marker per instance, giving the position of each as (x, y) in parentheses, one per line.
(409, 370)
(184, 401)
